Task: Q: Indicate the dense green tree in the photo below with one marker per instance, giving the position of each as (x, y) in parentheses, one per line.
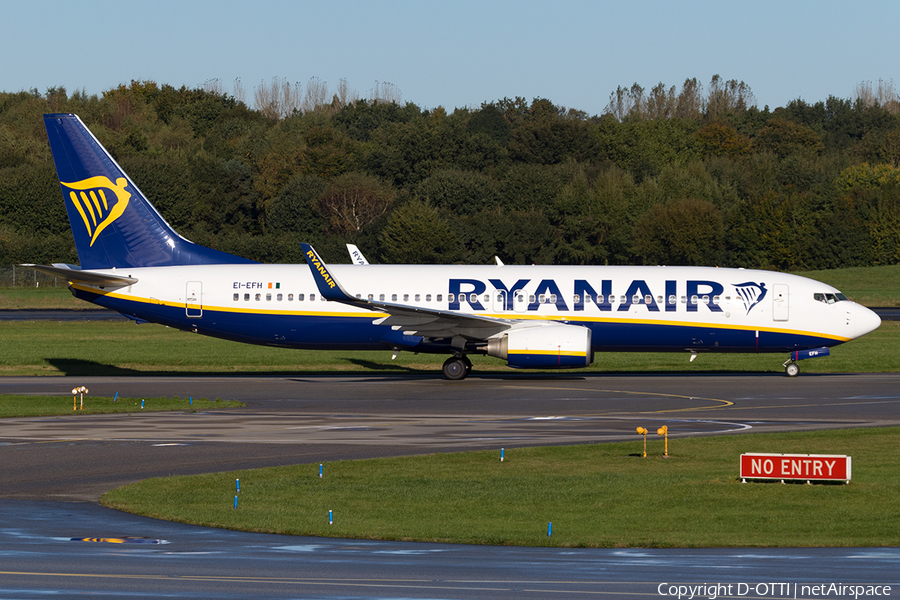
(783, 137)
(683, 232)
(224, 195)
(361, 118)
(295, 208)
(417, 234)
(459, 192)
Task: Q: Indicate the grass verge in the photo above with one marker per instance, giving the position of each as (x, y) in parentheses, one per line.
(122, 348)
(38, 406)
(601, 495)
(44, 297)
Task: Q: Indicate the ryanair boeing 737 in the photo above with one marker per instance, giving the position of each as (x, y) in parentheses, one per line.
(541, 317)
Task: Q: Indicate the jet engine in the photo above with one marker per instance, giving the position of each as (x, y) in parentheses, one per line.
(549, 346)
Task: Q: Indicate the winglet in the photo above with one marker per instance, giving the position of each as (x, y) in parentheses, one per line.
(356, 256)
(328, 285)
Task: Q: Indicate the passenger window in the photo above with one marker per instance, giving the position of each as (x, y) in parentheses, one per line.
(552, 298)
(381, 297)
(440, 298)
(531, 299)
(258, 297)
(418, 297)
(290, 297)
(473, 298)
(246, 297)
(393, 297)
(623, 299)
(406, 297)
(599, 298)
(542, 299)
(427, 297)
(705, 299)
(648, 299)
(268, 297)
(577, 298)
(299, 297)
(694, 299)
(450, 298)
(312, 297)
(237, 297)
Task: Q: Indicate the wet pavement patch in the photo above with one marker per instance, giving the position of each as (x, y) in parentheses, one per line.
(122, 540)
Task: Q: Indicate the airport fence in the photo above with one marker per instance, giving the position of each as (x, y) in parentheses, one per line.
(16, 276)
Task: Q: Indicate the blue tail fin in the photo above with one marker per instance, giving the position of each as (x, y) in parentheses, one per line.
(113, 223)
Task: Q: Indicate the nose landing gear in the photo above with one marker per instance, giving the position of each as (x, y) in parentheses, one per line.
(791, 368)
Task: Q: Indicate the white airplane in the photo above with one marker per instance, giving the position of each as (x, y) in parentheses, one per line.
(542, 317)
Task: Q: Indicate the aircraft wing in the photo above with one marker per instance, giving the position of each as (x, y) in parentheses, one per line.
(76, 275)
(411, 320)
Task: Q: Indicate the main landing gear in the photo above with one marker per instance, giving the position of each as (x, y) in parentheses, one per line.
(457, 368)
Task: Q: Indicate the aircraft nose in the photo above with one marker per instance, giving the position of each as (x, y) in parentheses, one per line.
(863, 320)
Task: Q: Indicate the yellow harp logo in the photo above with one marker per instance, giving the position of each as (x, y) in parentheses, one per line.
(97, 210)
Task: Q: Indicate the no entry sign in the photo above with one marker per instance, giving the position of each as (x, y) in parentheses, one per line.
(809, 467)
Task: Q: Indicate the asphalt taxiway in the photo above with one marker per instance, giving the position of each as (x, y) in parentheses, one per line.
(291, 420)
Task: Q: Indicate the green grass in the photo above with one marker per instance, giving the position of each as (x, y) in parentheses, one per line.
(38, 406)
(121, 348)
(44, 297)
(601, 495)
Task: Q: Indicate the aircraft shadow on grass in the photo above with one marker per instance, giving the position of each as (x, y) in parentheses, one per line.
(81, 367)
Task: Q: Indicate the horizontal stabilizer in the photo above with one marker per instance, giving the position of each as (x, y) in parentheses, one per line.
(82, 276)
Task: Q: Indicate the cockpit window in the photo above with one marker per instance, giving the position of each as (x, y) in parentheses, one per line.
(830, 298)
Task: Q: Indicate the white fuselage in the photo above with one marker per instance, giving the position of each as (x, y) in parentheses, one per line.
(627, 308)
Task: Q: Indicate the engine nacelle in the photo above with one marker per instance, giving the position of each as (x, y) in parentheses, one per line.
(550, 346)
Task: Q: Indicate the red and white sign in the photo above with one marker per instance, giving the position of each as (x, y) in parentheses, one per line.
(811, 467)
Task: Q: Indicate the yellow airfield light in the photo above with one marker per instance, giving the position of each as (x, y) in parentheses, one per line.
(664, 430)
(643, 431)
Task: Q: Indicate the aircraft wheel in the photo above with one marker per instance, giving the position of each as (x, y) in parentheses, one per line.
(792, 369)
(455, 368)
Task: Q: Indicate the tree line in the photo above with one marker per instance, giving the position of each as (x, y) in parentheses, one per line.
(696, 175)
